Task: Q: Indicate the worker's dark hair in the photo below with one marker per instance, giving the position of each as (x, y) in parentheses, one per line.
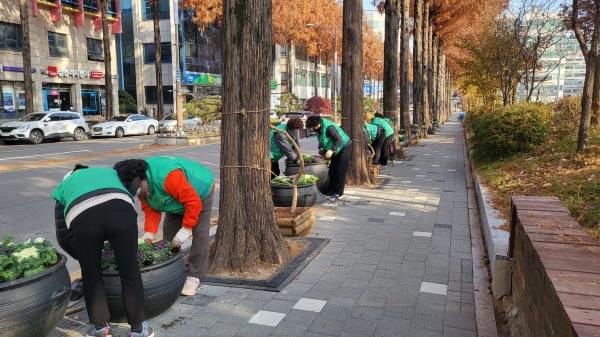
(379, 114)
(295, 123)
(79, 167)
(313, 121)
(129, 169)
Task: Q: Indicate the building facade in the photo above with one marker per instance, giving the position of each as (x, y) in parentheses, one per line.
(66, 57)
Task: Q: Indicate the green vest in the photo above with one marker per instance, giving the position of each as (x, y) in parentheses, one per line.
(197, 175)
(326, 142)
(386, 127)
(276, 153)
(372, 130)
(84, 181)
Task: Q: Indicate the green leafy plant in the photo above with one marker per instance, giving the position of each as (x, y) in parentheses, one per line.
(147, 254)
(305, 179)
(127, 103)
(26, 258)
(308, 159)
(288, 102)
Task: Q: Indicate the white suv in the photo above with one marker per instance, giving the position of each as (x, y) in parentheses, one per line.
(38, 126)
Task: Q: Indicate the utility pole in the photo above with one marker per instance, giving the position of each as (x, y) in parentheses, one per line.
(178, 96)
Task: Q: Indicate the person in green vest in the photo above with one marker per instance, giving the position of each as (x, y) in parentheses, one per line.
(183, 190)
(389, 133)
(281, 146)
(93, 206)
(392, 147)
(334, 144)
(376, 136)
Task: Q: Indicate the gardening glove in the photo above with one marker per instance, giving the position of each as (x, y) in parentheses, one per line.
(148, 237)
(182, 235)
(328, 154)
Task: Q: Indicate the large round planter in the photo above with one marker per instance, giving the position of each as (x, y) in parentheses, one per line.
(325, 188)
(318, 170)
(163, 283)
(282, 195)
(34, 305)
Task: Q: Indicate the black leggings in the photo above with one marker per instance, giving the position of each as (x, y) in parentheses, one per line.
(377, 147)
(114, 221)
(385, 151)
(338, 169)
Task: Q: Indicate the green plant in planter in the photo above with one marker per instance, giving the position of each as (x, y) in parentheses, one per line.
(25, 258)
(414, 128)
(435, 122)
(402, 131)
(305, 179)
(308, 159)
(147, 254)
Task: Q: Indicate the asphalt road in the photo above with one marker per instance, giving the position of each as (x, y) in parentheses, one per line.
(29, 174)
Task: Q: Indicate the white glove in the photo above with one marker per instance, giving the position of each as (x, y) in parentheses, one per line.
(148, 237)
(182, 235)
(328, 154)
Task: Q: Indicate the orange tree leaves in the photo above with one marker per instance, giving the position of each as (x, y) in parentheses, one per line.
(207, 11)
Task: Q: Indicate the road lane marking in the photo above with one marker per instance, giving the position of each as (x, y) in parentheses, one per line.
(30, 148)
(42, 155)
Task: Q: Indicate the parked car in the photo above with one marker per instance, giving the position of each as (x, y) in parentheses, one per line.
(169, 123)
(38, 126)
(125, 125)
(303, 115)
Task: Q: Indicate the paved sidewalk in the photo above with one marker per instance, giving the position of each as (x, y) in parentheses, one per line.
(399, 263)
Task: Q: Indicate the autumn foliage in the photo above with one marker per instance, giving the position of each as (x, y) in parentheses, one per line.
(318, 105)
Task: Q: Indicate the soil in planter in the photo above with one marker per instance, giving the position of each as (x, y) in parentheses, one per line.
(265, 270)
(285, 212)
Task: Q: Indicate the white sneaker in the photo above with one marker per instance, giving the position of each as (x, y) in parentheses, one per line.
(191, 285)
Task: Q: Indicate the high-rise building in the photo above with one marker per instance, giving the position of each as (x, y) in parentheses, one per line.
(67, 56)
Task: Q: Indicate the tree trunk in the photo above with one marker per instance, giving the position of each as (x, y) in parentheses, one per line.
(352, 122)
(434, 78)
(425, 52)
(106, 41)
(316, 73)
(596, 95)
(390, 64)
(26, 57)
(417, 63)
(430, 73)
(404, 49)
(290, 68)
(586, 103)
(160, 104)
(248, 233)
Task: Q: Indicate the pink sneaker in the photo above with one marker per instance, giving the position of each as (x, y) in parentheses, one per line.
(191, 285)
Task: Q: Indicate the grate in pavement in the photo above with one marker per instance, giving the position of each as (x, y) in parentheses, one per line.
(441, 225)
(287, 272)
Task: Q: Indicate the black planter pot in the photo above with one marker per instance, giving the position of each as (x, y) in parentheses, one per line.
(282, 195)
(34, 305)
(326, 186)
(318, 170)
(163, 283)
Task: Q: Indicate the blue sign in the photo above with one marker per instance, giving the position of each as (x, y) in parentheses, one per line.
(367, 89)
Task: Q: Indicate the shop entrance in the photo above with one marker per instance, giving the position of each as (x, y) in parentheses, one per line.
(65, 101)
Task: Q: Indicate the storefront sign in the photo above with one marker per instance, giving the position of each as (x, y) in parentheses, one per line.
(54, 71)
(13, 69)
(203, 79)
(53, 92)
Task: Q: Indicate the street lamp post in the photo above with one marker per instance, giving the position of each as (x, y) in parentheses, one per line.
(178, 97)
(335, 64)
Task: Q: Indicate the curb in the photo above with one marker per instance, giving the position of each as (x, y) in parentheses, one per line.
(484, 307)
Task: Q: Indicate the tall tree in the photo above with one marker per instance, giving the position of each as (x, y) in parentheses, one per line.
(390, 63)
(248, 233)
(425, 60)
(160, 104)
(587, 36)
(24, 15)
(404, 69)
(106, 42)
(352, 81)
(417, 62)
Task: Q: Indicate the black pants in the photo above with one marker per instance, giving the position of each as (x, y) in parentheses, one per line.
(377, 145)
(338, 169)
(274, 169)
(115, 221)
(198, 258)
(385, 151)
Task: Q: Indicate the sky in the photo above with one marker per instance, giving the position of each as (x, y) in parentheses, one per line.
(367, 4)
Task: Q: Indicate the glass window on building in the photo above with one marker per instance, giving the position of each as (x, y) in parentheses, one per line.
(300, 78)
(301, 54)
(10, 36)
(311, 78)
(148, 11)
(284, 78)
(324, 80)
(12, 104)
(151, 98)
(165, 53)
(94, 50)
(283, 51)
(57, 44)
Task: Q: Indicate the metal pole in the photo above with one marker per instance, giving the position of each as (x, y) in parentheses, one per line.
(178, 105)
(335, 68)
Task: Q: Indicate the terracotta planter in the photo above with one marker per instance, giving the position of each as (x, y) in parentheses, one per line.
(294, 226)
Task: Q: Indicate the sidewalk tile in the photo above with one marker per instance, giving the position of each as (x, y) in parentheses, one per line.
(268, 318)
